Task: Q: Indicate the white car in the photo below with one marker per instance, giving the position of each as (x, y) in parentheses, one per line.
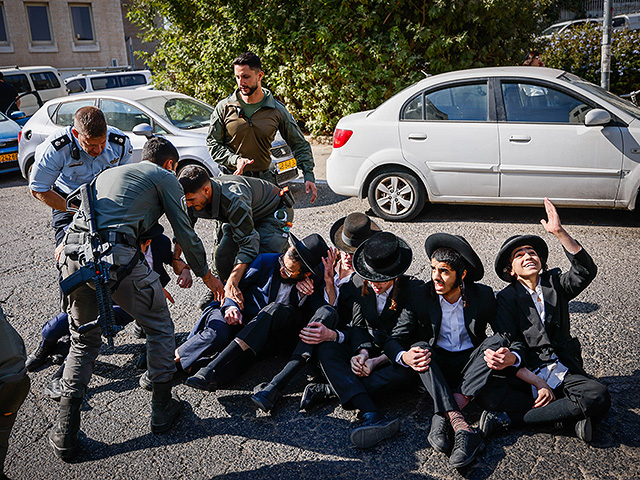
(568, 25)
(181, 119)
(511, 135)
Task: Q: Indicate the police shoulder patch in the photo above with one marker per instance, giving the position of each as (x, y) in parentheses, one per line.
(183, 202)
(116, 138)
(60, 142)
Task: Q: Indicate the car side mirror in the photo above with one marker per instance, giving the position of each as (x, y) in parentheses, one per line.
(17, 115)
(143, 129)
(597, 117)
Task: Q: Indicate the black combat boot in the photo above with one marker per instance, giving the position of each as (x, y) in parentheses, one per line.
(39, 356)
(165, 407)
(64, 435)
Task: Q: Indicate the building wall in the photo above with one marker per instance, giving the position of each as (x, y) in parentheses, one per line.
(64, 52)
(134, 33)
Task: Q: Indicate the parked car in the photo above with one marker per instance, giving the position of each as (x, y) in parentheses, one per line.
(562, 26)
(627, 21)
(93, 82)
(9, 133)
(183, 120)
(45, 81)
(503, 135)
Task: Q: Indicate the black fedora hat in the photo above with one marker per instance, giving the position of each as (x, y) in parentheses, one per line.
(351, 231)
(312, 250)
(155, 231)
(503, 259)
(382, 257)
(475, 270)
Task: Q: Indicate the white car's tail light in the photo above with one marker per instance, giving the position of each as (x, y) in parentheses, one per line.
(340, 137)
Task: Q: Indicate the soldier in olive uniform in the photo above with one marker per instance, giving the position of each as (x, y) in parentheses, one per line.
(128, 201)
(255, 215)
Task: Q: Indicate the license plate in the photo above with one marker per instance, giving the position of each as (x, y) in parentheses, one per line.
(10, 157)
(286, 165)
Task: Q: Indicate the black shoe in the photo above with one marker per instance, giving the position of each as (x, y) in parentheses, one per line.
(63, 438)
(165, 407)
(315, 394)
(465, 448)
(53, 390)
(440, 434)
(374, 429)
(141, 362)
(206, 300)
(491, 422)
(39, 356)
(201, 383)
(145, 382)
(266, 397)
(584, 430)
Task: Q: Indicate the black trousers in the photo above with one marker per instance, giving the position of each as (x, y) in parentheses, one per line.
(464, 372)
(276, 328)
(335, 362)
(12, 394)
(587, 397)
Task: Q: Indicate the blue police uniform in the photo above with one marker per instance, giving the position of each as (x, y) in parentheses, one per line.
(62, 165)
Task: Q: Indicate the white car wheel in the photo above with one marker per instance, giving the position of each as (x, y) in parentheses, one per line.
(396, 196)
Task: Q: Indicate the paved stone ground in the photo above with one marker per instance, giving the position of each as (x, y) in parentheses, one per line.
(221, 435)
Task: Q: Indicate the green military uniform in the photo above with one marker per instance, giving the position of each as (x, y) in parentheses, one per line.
(254, 216)
(234, 134)
(128, 200)
(14, 382)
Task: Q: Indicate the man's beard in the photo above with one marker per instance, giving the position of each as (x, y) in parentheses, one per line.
(251, 91)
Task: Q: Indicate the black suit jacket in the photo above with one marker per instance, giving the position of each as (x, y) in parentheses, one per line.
(480, 311)
(377, 333)
(519, 321)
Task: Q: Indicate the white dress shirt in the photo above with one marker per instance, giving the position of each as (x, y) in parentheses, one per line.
(453, 335)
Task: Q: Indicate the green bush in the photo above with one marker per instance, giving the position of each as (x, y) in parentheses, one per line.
(327, 58)
(579, 51)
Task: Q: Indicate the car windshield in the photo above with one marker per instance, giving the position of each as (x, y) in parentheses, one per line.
(3, 118)
(183, 112)
(624, 105)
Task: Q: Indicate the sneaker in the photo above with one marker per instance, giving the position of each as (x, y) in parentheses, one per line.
(584, 430)
(440, 434)
(491, 422)
(144, 381)
(466, 447)
(52, 390)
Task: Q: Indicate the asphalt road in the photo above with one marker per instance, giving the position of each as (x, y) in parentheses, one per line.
(220, 435)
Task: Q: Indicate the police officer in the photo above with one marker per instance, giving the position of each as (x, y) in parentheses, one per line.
(14, 383)
(71, 157)
(255, 215)
(244, 124)
(127, 202)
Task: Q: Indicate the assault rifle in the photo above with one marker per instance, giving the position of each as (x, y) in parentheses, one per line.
(93, 268)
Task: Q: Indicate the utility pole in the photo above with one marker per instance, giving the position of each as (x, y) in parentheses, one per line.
(605, 65)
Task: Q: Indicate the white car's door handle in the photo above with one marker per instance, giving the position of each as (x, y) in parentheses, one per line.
(417, 136)
(520, 138)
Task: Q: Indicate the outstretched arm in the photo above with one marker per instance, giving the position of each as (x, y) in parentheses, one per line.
(545, 394)
(553, 226)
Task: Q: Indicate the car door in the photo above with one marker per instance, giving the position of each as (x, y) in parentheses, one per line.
(450, 133)
(547, 151)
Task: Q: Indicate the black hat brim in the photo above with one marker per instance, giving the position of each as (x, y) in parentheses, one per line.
(336, 235)
(155, 231)
(366, 272)
(503, 259)
(475, 269)
(304, 255)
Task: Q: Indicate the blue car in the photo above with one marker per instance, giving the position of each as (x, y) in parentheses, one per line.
(9, 132)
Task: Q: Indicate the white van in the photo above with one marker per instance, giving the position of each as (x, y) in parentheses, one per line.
(47, 81)
(92, 82)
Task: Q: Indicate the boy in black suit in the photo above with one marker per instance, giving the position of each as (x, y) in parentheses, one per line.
(533, 314)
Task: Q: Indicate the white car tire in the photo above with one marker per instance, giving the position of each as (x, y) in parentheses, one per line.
(396, 195)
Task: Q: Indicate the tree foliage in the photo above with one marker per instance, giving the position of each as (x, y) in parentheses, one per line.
(327, 58)
(578, 51)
